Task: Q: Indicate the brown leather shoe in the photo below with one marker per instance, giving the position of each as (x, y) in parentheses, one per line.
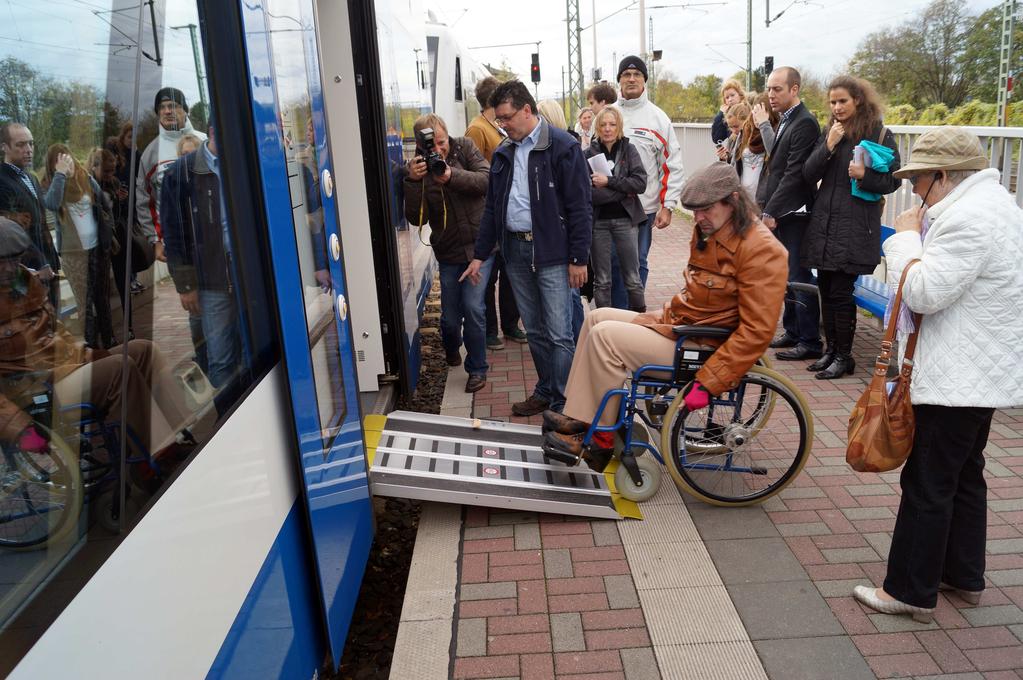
(563, 444)
(552, 420)
(530, 407)
(475, 382)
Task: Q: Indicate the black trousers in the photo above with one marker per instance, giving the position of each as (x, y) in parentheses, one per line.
(506, 300)
(941, 531)
(838, 309)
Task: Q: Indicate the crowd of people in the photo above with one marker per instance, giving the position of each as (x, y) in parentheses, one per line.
(785, 198)
(75, 221)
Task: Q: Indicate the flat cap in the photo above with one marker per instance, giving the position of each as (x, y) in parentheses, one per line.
(13, 239)
(710, 185)
(945, 148)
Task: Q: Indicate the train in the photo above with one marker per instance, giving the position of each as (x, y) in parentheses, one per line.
(220, 526)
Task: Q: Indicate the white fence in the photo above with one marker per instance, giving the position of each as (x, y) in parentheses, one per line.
(1004, 148)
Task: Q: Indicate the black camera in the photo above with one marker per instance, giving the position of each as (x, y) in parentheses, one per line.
(435, 163)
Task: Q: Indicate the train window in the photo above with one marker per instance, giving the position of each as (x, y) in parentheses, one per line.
(292, 51)
(123, 338)
(458, 79)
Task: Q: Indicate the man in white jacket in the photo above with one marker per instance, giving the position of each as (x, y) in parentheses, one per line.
(968, 285)
(172, 108)
(649, 129)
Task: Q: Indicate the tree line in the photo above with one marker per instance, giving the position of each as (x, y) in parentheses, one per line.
(68, 111)
(939, 67)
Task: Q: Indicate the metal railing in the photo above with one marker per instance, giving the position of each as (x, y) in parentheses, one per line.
(1004, 148)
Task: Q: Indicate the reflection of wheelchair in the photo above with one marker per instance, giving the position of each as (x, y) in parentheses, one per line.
(747, 445)
(42, 493)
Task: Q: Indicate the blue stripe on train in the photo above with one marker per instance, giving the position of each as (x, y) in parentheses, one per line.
(278, 630)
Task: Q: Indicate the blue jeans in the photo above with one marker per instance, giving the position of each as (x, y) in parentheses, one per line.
(577, 315)
(619, 295)
(545, 305)
(802, 315)
(219, 325)
(463, 314)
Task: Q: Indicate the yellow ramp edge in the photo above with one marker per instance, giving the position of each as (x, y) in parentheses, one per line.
(624, 506)
(373, 427)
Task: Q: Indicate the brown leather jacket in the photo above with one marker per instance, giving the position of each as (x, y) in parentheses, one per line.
(34, 349)
(735, 281)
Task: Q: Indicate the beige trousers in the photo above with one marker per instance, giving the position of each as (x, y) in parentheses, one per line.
(610, 348)
(155, 406)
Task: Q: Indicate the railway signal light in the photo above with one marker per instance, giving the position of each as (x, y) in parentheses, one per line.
(768, 65)
(534, 69)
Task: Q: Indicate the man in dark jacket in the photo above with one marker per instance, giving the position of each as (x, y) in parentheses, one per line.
(450, 196)
(21, 201)
(786, 198)
(198, 249)
(538, 213)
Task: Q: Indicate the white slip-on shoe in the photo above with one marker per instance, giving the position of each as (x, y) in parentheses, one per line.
(969, 596)
(868, 596)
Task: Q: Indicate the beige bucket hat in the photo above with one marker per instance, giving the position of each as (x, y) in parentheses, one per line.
(945, 148)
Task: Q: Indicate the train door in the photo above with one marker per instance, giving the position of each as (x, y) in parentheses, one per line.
(312, 298)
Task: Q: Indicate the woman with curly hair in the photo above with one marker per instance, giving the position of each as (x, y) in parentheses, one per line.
(843, 239)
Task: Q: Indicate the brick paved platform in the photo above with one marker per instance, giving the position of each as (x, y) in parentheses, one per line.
(554, 597)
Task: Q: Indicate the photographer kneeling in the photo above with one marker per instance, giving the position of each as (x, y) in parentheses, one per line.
(447, 186)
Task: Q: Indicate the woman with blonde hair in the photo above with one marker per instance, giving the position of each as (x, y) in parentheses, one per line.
(754, 142)
(552, 112)
(617, 210)
(584, 127)
(84, 239)
(731, 93)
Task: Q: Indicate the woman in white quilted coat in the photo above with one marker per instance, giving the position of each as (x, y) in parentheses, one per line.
(968, 286)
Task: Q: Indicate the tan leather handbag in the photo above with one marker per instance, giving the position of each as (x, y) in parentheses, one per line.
(881, 423)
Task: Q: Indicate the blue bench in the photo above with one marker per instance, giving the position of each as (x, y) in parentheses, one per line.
(870, 293)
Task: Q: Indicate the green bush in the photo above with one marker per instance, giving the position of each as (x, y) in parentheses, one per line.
(973, 113)
(903, 114)
(935, 114)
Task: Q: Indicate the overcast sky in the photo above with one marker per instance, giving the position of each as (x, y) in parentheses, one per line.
(818, 35)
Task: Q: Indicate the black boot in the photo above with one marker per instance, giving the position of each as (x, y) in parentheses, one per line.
(828, 319)
(843, 364)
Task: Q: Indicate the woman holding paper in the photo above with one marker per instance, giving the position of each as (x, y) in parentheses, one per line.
(854, 161)
(618, 178)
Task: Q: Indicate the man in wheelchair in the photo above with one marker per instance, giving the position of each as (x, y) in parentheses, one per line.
(735, 278)
(38, 355)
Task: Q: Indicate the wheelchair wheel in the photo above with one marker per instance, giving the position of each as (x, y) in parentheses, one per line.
(744, 448)
(649, 471)
(656, 412)
(40, 494)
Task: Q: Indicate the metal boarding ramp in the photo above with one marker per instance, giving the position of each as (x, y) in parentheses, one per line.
(482, 462)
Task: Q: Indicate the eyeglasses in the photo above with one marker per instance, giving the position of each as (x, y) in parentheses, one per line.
(913, 179)
(505, 119)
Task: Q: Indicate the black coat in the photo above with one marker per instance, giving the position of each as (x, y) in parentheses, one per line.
(18, 204)
(784, 190)
(719, 131)
(844, 233)
(627, 181)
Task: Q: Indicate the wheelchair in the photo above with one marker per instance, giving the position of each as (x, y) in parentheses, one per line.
(42, 493)
(749, 443)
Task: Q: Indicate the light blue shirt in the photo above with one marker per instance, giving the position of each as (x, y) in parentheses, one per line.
(214, 163)
(519, 216)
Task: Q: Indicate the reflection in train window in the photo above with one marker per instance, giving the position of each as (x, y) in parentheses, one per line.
(294, 46)
(122, 333)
